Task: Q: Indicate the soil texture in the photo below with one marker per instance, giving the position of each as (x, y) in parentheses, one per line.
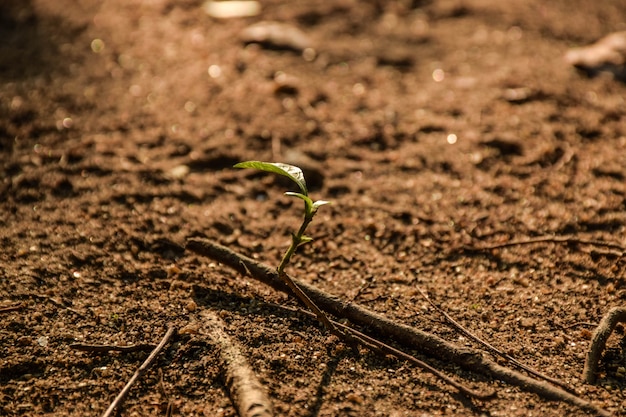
(434, 127)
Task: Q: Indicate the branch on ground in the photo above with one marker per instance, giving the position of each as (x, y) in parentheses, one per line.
(380, 347)
(246, 391)
(119, 400)
(15, 307)
(598, 341)
(618, 249)
(470, 359)
(492, 348)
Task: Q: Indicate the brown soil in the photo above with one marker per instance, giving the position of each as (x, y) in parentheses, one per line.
(431, 125)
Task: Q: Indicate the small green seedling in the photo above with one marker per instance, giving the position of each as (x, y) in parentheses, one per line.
(299, 238)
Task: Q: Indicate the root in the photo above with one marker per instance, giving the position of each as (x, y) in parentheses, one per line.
(246, 391)
(598, 341)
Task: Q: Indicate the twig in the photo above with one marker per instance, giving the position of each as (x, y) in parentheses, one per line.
(119, 400)
(170, 405)
(378, 346)
(599, 339)
(110, 348)
(306, 300)
(430, 344)
(354, 337)
(246, 391)
(58, 303)
(580, 323)
(549, 239)
(14, 307)
(492, 348)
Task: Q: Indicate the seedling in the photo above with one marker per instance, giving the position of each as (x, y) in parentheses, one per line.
(299, 238)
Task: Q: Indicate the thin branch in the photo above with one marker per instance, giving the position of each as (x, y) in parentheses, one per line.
(550, 239)
(492, 348)
(110, 348)
(380, 347)
(599, 339)
(577, 324)
(304, 298)
(471, 359)
(170, 404)
(246, 391)
(14, 307)
(58, 303)
(119, 400)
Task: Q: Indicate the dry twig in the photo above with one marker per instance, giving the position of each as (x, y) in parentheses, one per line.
(170, 404)
(551, 239)
(378, 346)
(598, 341)
(110, 348)
(119, 400)
(430, 344)
(246, 391)
(492, 348)
(14, 307)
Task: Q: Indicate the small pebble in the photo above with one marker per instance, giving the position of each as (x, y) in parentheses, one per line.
(191, 306)
(354, 398)
(179, 172)
(191, 328)
(276, 35)
(231, 9)
(526, 322)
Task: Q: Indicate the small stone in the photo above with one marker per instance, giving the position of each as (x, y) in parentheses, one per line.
(526, 322)
(191, 306)
(231, 9)
(179, 172)
(354, 398)
(42, 341)
(276, 35)
(191, 328)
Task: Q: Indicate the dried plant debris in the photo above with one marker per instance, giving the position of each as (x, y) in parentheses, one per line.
(607, 55)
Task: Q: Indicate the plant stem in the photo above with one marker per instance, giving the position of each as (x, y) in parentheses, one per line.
(296, 240)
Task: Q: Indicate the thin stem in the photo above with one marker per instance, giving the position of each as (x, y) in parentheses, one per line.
(296, 240)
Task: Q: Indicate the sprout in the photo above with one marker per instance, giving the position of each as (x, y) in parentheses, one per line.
(299, 238)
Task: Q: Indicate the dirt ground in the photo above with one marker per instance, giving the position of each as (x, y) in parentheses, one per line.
(430, 125)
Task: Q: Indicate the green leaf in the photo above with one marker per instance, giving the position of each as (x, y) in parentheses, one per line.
(307, 200)
(290, 171)
(305, 239)
(320, 203)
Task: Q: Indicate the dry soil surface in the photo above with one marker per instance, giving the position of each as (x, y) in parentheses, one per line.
(432, 126)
